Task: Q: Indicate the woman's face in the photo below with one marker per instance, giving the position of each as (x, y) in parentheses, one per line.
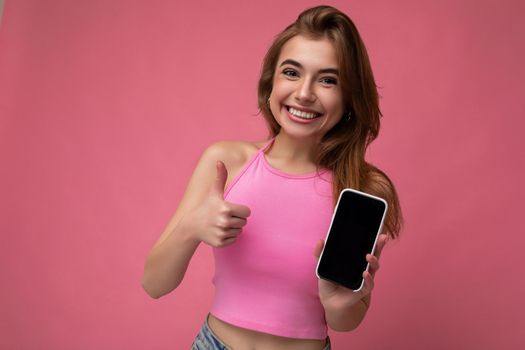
(306, 98)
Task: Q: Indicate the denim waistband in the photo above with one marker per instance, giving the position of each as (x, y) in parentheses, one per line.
(207, 340)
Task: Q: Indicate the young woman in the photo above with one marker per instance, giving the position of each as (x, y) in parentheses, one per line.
(266, 206)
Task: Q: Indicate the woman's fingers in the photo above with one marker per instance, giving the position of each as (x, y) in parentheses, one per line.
(227, 223)
(239, 210)
(225, 237)
(232, 232)
(228, 241)
(369, 283)
(235, 222)
(374, 264)
(381, 241)
(318, 248)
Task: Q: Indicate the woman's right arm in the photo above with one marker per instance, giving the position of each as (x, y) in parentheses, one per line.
(202, 216)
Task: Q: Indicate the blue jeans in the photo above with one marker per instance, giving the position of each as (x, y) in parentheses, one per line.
(207, 340)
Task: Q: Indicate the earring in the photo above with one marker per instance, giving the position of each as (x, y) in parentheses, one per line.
(349, 116)
(268, 102)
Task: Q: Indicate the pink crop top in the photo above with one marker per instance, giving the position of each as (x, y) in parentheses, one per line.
(266, 280)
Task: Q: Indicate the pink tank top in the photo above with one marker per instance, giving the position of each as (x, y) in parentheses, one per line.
(266, 280)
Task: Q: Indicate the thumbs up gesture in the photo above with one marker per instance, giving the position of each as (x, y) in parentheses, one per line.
(218, 223)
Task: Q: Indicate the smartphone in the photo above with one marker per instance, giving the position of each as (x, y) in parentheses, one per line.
(356, 224)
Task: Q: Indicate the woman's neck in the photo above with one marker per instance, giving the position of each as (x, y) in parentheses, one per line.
(293, 150)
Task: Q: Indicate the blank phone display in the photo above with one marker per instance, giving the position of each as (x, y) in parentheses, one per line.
(352, 235)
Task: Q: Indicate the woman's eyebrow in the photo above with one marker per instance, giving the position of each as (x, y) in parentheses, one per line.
(298, 65)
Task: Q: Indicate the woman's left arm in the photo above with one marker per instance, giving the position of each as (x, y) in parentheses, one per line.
(344, 308)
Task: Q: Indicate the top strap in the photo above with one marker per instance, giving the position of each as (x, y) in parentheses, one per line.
(266, 145)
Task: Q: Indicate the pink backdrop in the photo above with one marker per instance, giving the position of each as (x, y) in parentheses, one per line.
(106, 105)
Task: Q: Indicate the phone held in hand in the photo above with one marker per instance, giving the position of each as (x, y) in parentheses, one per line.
(356, 224)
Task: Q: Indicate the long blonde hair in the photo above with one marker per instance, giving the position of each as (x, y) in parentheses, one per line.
(342, 149)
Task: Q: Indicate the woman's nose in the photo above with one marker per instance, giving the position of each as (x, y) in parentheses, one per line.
(305, 92)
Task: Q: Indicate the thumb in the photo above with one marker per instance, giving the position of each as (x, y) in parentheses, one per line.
(220, 180)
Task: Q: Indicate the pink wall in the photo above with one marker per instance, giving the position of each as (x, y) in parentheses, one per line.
(106, 105)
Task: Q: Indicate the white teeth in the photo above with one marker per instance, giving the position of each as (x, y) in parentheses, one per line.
(302, 114)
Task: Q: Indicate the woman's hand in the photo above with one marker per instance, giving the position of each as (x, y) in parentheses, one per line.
(335, 296)
(215, 221)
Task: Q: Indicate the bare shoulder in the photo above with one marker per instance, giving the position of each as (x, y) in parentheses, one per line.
(234, 154)
(230, 152)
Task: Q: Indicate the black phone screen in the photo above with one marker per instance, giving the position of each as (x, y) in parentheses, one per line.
(352, 234)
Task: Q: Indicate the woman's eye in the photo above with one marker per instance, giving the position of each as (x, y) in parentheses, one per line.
(329, 81)
(290, 73)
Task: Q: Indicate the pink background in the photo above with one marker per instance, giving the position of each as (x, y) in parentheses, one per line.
(106, 105)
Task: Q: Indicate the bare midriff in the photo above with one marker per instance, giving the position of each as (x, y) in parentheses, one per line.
(240, 338)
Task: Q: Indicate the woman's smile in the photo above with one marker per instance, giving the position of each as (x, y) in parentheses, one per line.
(302, 116)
